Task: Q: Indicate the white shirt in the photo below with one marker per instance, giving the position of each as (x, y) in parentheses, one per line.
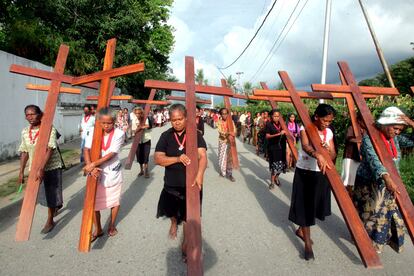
(307, 162)
(111, 173)
(87, 126)
(243, 119)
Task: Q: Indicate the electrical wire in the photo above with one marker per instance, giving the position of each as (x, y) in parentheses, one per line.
(254, 36)
(267, 60)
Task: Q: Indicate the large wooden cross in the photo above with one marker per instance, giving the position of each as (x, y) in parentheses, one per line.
(403, 199)
(103, 101)
(362, 241)
(230, 127)
(24, 224)
(193, 225)
(138, 135)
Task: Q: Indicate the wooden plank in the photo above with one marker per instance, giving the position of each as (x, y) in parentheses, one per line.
(178, 98)
(347, 89)
(68, 90)
(113, 98)
(363, 243)
(403, 199)
(352, 113)
(47, 75)
(24, 224)
(290, 139)
(305, 94)
(138, 135)
(176, 86)
(262, 98)
(193, 223)
(150, 102)
(111, 73)
(230, 127)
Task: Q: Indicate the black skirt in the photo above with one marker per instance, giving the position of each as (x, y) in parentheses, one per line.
(311, 197)
(51, 195)
(143, 152)
(172, 203)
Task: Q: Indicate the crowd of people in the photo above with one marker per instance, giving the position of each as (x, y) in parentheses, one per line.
(368, 182)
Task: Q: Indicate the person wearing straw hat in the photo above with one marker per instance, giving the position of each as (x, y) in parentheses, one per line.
(375, 190)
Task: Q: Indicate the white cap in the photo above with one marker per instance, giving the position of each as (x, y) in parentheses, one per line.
(391, 116)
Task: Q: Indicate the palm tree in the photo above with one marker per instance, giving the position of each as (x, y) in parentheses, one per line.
(247, 88)
(231, 83)
(199, 76)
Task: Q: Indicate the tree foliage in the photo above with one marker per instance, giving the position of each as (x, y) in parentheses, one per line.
(402, 74)
(35, 29)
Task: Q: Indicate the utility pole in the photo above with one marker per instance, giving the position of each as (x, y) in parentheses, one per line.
(326, 42)
(377, 45)
(238, 85)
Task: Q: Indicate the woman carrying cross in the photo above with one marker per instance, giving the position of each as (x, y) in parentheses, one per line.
(375, 190)
(108, 171)
(224, 154)
(170, 153)
(52, 172)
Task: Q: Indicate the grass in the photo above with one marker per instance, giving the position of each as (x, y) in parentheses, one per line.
(70, 157)
(407, 174)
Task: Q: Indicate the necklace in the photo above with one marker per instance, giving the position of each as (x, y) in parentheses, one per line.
(86, 118)
(388, 143)
(31, 138)
(277, 127)
(108, 142)
(181, 145)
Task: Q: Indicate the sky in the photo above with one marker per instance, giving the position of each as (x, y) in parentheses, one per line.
(215, 32)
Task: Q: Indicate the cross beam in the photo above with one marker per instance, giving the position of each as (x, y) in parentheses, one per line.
(150, 102)
(329, 95)
(403, 199)
(176, 86)
(378, 91)
(24, 224)
(138, 135)
(362, 240)
(262, 98)
(230, 127)
(178, 98)
(68, 90)
(112, 98)
(103, 101)
(290, 139)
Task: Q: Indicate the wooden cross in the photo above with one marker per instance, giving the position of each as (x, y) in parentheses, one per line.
(103, 101)
(362, 240)
(153, 102)
(138, 135)
(24, 224)
(230, 127)
(290, 139)
(68, 90)
(193, 225)
(403, 199)
(112, 98)
(178, 98)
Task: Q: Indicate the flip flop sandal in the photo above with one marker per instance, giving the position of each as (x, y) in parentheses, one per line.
(46, 230)
(112, 232)
(95, 237)
(141, 174)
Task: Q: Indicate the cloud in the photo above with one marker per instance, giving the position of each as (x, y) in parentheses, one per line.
(220, 41)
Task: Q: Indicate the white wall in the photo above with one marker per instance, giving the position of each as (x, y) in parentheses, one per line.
(14, 97)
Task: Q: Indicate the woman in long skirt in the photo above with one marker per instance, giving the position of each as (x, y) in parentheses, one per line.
(107, 169)
(170, 153)
(224, 148)
(276, 148)
(144, 146)
(375, 190)
(311, 193)
(51, 173)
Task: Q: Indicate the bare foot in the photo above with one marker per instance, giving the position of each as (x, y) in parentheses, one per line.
(173, 232)
(47, 228)
(112, 231)
(299, 233)
(96, 235)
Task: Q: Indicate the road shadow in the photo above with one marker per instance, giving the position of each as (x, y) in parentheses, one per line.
(10, 213)
(175, 265)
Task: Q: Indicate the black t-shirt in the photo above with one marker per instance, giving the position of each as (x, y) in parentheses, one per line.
(278, 142)
(175, 173)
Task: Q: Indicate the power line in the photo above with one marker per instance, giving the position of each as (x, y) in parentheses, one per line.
(251, 40)
(267, 60)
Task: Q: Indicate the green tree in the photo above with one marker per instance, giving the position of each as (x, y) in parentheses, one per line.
(231, 82)
(248, 88)
(35, 29)
(199, 76)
